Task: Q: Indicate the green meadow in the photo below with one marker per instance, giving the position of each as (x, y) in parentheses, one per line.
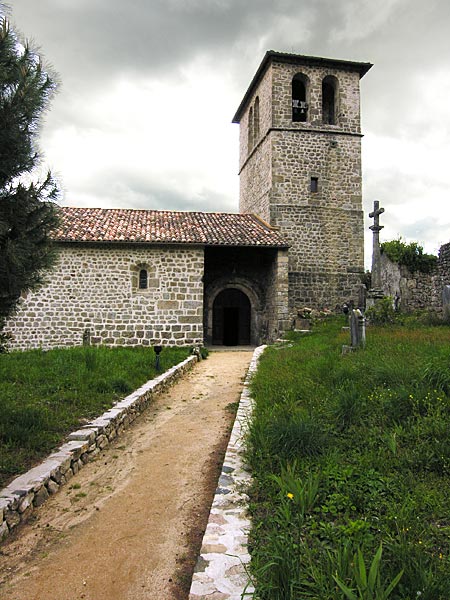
(45, 395)
(351, 462)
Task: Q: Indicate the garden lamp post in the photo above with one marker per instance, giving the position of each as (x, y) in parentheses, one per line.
(158, 350)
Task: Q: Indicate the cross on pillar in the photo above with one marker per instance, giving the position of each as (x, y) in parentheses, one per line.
(376, 254)
(375, 215)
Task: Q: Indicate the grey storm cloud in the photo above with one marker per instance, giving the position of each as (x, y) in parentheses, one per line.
(103, 38)
(134, 189)
(93, 44)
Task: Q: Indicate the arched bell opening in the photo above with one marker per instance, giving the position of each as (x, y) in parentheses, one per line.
(330, 87)
(300, 100)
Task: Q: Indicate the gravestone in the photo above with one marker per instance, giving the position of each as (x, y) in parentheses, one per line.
(357, 329)
(357, 324)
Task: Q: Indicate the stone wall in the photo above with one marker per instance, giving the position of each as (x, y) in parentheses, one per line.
(324, 228)
(334, 159)
(348, 113)
(278, 314)
(94, 292)
(321, 289)
(444, 274)
(417, 290)
(264, 93)
(444, 263)
(255, 182)
(222, 571)
(321, 239)
(30, 490)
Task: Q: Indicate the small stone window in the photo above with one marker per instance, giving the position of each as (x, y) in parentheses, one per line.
(314, 185)
(143, 279)
(329, 100)
(250, 129)
(256, 120)
(299, 98)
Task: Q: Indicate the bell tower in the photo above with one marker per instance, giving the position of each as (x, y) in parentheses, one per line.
(300, 170)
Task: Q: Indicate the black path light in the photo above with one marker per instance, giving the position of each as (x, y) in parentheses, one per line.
(158, 350)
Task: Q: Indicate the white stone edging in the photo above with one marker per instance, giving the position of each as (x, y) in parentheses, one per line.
(221, 572)
(30, 490)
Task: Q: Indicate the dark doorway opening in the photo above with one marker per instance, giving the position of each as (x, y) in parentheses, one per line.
(231, 318)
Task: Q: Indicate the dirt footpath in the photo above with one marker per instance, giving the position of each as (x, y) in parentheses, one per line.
(129, 525)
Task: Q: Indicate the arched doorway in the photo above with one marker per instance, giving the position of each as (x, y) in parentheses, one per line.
(231, 318)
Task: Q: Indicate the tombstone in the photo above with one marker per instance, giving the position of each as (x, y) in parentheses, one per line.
(357, 324)
(357, 329)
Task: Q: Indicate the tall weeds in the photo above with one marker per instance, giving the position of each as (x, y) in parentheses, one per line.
(44, 395)
(351, 454)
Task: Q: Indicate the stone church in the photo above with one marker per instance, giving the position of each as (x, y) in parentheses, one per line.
(149, 277)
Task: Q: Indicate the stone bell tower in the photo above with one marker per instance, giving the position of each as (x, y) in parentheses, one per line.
(300, 170)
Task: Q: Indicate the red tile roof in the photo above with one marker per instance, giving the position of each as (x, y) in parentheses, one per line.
(165, 227)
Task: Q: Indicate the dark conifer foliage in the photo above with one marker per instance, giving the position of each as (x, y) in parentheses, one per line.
(27, 210)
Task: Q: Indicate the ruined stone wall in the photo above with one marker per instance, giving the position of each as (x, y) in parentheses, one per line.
(417, 290)
(444, 263)
(444, 280)
(94, 289)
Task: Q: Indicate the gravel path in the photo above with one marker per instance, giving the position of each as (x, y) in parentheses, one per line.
(129, 525)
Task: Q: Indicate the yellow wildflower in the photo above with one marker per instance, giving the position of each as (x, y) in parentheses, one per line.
(290, 496)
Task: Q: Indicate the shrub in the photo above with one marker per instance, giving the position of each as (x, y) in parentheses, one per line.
(411, 255)
(5, 339)
(382, 312)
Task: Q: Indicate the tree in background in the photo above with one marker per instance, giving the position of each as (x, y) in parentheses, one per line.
(27, 210)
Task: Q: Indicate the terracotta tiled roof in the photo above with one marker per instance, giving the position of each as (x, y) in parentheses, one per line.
(165, 227)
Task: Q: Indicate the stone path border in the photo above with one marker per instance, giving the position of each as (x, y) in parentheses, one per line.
(221, 570)
(30, 490)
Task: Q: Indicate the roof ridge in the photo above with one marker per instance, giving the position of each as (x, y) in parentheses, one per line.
(265, 223)
(152, 210)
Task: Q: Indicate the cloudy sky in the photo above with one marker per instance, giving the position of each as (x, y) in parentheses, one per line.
(149, 87)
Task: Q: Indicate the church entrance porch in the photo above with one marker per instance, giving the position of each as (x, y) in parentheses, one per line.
(231, 318)
(245, 295)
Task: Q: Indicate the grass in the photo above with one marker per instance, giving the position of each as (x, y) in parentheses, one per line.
(351, 463)
(45, 395)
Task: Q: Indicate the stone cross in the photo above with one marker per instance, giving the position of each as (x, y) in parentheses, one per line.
(376, 254)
